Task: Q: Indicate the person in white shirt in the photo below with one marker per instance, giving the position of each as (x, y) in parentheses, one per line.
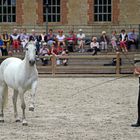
(94, 46)
(123, 40)
(81, 40)
(60, 38)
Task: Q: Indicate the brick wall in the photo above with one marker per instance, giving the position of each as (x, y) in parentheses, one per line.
(19, 11)
(39, 12)
(129, 11)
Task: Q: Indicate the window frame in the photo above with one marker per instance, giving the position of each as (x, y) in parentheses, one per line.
(54, 11)
(100, 14)
(8, 11)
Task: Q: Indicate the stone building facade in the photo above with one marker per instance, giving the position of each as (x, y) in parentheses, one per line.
(76, 14)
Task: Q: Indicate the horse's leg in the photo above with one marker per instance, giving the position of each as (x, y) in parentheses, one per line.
(15, 95)
(23, 106)
(3, 100)
(32, 102)
(1, 104)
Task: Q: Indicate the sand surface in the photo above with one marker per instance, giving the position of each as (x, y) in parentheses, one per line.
(77, 109)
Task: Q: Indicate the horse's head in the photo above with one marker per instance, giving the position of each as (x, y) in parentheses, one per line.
(31, 53)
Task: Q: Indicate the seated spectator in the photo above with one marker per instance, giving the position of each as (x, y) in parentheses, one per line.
(60, 38)
(94, 46)
(104, 40)
(114, 39)
(50, 38)
(6, 43)
(24, 38)
(54, 49)
(71, 40)
(44, 51)
(35, 38)
(123, 40)
(132, 39)
(1, 45)
(81, 40)
(42, 38)
(15, 41)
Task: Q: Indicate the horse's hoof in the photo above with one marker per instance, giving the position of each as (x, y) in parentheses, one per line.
(24, 123)
(1, 121)
(31, 108)
(18, 120)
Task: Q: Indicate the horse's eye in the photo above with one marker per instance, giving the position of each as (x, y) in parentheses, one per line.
(26, 49)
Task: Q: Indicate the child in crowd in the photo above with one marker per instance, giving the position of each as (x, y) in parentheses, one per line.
(114, 41)
(65, 60)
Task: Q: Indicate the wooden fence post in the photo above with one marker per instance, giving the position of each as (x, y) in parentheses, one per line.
(53, 59)
(117, 63)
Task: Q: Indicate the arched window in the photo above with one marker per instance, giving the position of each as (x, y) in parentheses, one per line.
(102, 10)
(7, 10)
(53, 10)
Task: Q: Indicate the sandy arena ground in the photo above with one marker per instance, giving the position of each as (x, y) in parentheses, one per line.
(77, 109)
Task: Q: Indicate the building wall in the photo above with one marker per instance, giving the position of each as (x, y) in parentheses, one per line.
(76, 14)
(129, 12)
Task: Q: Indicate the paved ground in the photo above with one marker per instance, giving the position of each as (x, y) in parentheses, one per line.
(77, 109)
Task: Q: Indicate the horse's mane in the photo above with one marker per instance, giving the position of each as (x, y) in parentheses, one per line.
(30, 43)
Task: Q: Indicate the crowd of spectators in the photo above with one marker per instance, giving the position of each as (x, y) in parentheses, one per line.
(60, 43)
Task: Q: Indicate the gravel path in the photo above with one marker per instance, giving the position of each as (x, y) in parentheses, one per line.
(77, 109)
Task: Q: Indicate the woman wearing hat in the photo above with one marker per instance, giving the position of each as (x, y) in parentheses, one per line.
(81, 40)
(94, 46)
(104, 40)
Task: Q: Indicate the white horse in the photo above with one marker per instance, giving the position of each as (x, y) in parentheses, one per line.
(20, 75)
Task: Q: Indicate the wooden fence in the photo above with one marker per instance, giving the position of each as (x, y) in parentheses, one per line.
(87, 65)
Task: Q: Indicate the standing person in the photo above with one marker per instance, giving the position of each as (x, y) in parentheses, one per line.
(123, 40)
(15, 41)
(137, 72)
(6, 43)
(104, 41)
(81, 40)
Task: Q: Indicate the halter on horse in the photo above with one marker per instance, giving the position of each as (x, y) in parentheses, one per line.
(20, 75)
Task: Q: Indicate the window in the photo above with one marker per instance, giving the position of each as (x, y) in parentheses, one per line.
(102, 10)
(7, 10)
(53, 10)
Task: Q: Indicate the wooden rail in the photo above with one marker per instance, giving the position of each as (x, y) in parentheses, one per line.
(83, 68)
